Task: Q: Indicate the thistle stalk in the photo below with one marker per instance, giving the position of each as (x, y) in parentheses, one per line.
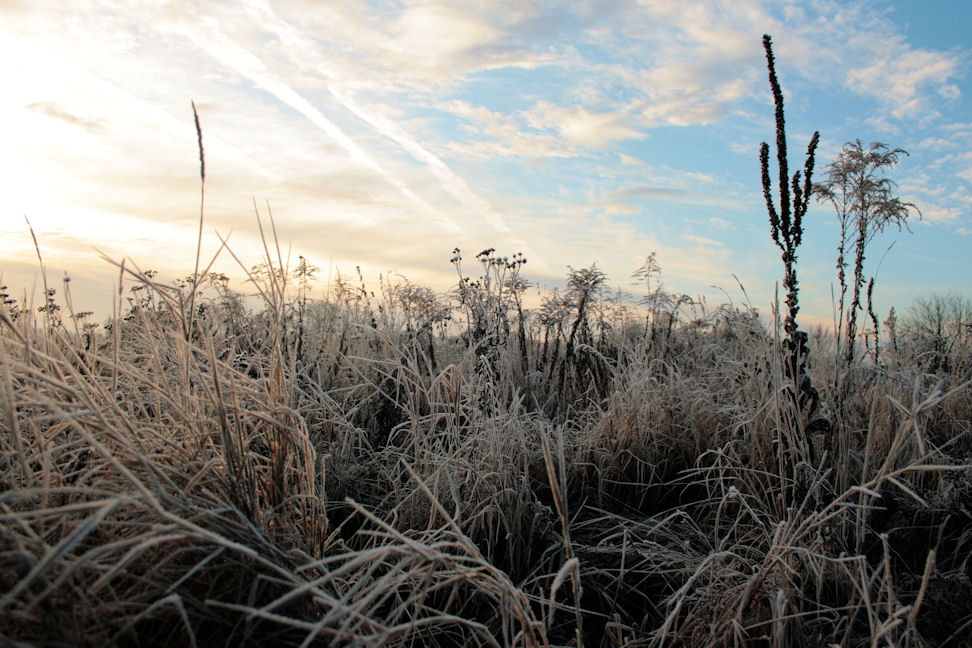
(786, 229)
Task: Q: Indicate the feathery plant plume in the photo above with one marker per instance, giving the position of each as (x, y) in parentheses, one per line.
(865, 204)
(202, 200)
(202, 154)
(786, 227)
(584, 286)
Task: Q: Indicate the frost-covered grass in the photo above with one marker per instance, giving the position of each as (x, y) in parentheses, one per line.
(421, 469)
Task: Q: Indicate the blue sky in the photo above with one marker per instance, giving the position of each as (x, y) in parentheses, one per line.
(385, 134)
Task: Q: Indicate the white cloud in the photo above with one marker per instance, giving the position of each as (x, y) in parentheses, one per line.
(669, 185)
(949, 92)
(937, 215)
(938, 143)
(430, 33)
(498, 135)
(584, 127)
(700, 240)
(900, 78)
(959, 128)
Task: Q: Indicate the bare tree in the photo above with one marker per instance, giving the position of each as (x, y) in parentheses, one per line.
(940, 325)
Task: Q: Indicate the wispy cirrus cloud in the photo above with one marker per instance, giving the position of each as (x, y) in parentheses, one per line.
(588, 128)
(936, 214)
(701, 240)
(491, 134)
(465, 34)
(244, 62)
(56, 111)
(899, 79)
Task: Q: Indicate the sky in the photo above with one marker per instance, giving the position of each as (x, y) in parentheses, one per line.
(385, 134)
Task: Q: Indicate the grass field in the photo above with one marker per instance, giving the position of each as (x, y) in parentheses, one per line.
(404, 468)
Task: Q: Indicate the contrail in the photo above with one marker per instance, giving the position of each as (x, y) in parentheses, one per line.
(451, 182)
(244, 62)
